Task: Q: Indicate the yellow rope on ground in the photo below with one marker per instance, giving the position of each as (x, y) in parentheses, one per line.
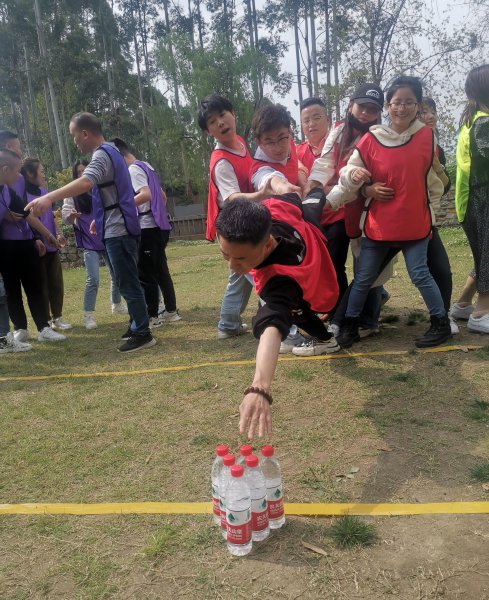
(199, 508)
(230, 363)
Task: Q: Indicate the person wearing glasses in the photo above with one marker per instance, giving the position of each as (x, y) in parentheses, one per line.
(392, 166)
(276, 167)
(315, 125)
(342, 225)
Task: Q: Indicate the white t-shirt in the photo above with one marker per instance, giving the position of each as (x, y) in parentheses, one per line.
(224, 175)
(140, 180)
(263, 174)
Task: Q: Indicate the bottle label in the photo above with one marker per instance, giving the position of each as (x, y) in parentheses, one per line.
(275, 502)
(222, 512)
(216, 509)
(239, 526)
(259, 514)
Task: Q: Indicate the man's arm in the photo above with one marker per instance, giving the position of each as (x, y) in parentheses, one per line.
(74, 188)
(142, 196)
(254, 410)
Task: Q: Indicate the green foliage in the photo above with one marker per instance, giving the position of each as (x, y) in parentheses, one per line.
(349, 532)
(480, 472)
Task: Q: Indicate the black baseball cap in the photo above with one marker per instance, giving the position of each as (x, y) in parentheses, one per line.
(369, 92)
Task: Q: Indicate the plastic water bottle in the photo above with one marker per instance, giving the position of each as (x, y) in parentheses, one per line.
(244, 451)
(256, 481)
(221, 451)
(275, 499)
(227, 462)
(238, 513)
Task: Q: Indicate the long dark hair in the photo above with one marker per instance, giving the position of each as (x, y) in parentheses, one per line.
(79, 162)
(348, 136)
(83, 202)
(477, 90)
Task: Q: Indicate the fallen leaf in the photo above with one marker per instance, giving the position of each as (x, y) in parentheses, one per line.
(350, 476)
(354, 469)
(315, 549)
(485, 487)
(384, 448)
(463, 348)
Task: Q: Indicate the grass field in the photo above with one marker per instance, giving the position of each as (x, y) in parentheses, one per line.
(415, 426)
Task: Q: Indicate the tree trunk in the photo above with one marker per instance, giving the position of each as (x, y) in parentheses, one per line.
(52, 133)
(32, 101)
(308, 52)
(298, 58)
(54, 104)
(328, 58)
(186, 176)
(315, 78)
(140, 85)
(251, 39)
(255, 29)
(199, 23)
(336, 61)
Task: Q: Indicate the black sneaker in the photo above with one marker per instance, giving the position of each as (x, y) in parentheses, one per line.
(129, 333)
(348, 333)
(438, 333)
(137, 342)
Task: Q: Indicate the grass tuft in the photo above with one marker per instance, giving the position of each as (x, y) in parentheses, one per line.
(415, 317)
(480, 472)
(162, 542)
(349, 532)
(299, 374)
(479, 411)
(390, 319)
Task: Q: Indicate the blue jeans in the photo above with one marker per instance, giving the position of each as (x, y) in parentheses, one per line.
(122, 254)
(4, 318)
(371, 260)
(234, 301)
(92, 267)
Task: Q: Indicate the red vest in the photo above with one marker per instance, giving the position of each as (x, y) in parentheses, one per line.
(315, 275)
(290, 169)
(306, 156)
(406, 217)
(241, 166)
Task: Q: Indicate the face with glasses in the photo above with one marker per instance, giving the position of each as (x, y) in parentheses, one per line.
(315, 123)
(275, 143)
(402, 109)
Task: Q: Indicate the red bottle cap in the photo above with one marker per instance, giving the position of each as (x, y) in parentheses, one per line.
(245, 450)
(252, 461)
(237, 471)
(229, 460)
(267, 451)
(222, 450)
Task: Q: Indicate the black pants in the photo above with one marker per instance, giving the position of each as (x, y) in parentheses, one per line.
(153, 270)
(439, 267)
(338, 243)
(20, 266)
(53, 284)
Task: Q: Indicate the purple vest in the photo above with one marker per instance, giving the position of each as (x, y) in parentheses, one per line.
(125, 195)
(47, 219)
(84, 239)
(19, 230)
(158, 206)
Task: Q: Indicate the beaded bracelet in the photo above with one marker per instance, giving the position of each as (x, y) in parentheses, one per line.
(256, 390)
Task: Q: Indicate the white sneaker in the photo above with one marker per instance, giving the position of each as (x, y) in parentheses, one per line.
(453, 326)
(90, 322)
(291, 341)
(49, 335)
(334, 329)
(461, 312)
(60, 324)
(314, 347)
(9, 344)
(479, 324)
(170, 317)
(155, 322)
(119, 309)
(365, 332)
(224, 335)
(21, 335)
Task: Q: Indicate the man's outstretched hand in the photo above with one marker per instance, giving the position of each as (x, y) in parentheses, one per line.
(255, 416)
